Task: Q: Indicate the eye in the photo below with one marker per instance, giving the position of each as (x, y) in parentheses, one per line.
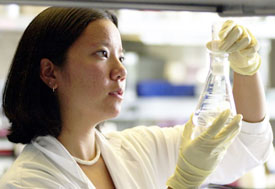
(121, 59)
(102, 53)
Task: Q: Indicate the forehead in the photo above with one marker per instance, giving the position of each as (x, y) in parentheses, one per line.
(101, 31)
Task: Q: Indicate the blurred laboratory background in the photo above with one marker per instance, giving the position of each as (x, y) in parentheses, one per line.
(167, 65)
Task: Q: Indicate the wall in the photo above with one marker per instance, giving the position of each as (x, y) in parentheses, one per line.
(8, 44)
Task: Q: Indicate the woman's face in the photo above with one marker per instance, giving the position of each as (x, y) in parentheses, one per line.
(92, 81)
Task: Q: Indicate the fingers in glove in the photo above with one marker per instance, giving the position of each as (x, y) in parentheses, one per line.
(226, 136)
(223, 144)
(252, 48)
(213, 45)
(188, 129)
(217, 125)
(242, 43)
(226, 28)
(231, 38)
(249, 52)
(254, 41)
(231, 130)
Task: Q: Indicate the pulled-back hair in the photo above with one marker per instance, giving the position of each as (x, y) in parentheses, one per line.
(29, 104)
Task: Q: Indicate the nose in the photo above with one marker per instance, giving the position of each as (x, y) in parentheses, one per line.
(119, 73)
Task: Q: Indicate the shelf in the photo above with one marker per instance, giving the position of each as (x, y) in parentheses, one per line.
(222, 7)
(5, 153)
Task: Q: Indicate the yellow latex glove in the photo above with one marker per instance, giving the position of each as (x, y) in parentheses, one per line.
(199, 157)
(241, 45)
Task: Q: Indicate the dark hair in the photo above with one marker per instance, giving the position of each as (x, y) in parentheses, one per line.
(29, 104)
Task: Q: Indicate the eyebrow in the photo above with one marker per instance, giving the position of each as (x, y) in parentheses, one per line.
(107, 45)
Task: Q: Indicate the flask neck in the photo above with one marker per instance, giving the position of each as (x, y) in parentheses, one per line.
(219, 64)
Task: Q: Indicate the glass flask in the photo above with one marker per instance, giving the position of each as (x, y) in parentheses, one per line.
(217, 94)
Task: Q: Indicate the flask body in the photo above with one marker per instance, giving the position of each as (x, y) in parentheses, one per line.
(217, 93)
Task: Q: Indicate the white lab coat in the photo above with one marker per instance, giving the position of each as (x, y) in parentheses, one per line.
(137, 158)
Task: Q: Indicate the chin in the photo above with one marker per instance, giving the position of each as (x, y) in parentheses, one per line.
(114, 113)
(111, 111)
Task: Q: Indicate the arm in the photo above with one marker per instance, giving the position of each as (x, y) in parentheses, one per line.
(244, 59)
(254, 143)
(249, 97)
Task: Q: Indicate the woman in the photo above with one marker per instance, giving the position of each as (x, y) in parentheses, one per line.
(67, 76)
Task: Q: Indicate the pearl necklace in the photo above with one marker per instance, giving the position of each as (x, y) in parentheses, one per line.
(90, 162)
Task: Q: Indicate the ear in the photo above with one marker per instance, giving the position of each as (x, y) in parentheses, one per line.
(47, 73)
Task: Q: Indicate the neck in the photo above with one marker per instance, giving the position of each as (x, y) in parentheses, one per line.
(78, 132)
(79, 141)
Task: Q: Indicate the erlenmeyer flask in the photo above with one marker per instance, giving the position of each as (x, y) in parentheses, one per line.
(217, 93)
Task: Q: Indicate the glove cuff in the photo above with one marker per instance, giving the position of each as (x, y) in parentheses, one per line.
(186, 175)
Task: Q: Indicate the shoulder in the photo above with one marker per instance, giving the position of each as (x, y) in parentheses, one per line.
(31, 169)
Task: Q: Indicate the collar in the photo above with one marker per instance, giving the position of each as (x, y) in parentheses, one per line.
(111, 148)
(55, 151)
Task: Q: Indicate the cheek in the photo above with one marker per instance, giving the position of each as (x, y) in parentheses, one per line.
(64, 81)
(93, 80)
(81, 79)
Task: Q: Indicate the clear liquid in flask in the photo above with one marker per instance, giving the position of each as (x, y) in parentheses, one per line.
(217, 93)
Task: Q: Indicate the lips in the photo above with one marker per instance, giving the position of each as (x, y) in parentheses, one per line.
(118, 93)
